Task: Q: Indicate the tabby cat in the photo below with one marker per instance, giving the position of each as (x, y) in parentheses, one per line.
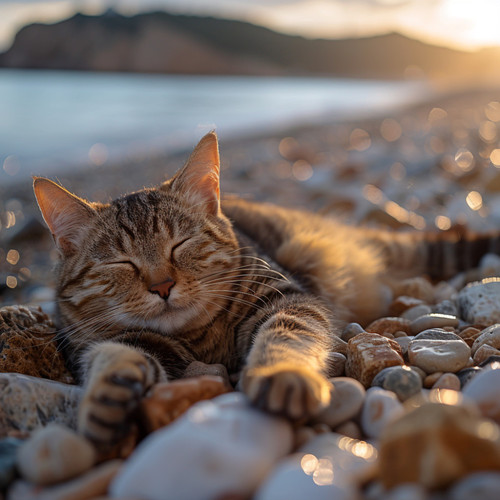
(162, 277)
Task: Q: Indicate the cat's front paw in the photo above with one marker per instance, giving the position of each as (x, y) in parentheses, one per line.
(286, 389)
(111, 397)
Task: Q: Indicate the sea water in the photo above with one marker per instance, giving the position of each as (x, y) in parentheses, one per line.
(55, 120)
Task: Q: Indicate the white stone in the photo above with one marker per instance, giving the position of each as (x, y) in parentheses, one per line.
(380, 408)
(54, 454)
(347, 397)
(327, 467)
(432, 320)
(478, 486)
(404, 342)
(484, 390)
(479, 302)
(435, 355)
(415, 312)
(490, 265)
(290, 480)
(218, 447)
(444, 291)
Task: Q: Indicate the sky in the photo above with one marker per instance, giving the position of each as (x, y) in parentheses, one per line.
(464, 24)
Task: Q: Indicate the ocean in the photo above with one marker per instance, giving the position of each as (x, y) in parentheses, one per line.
(55, 120)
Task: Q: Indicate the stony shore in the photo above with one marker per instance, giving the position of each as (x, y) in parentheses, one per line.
(415, 411)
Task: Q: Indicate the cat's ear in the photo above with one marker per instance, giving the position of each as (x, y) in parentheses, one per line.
(66, 215)
(199, 178)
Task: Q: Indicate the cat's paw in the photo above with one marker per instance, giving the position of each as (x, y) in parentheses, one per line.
(286, 389)
(112, 395)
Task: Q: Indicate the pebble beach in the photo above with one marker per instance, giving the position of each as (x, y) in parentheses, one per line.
(415, 410)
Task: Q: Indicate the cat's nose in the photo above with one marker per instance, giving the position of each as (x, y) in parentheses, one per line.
(163, 288)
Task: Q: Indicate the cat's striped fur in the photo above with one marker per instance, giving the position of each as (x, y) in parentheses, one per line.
(162, 277)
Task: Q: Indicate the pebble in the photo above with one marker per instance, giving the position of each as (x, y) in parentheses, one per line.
(347, 397)
(444, 291)
(419, 288)
(27, 337)
(384, 326)
(489, 336)
(484, 353)
(431, 445)
(469, 335)
(432, 320)
(492, 360)
(8, 457)
(29, 403)
(169, 400)
(467, 374)
(198, 369)
(369, 353)
(437, 334)
(431, 379)
(484, 390)
(350, 429)
(301, 476)
(480, 486)
(447, 381)
(402, 303)
(439, 355)
(92, 484)
(54, 454)
(380, 408)
(404, 342)
(218, 447)
(490, 265)
(447, 307)
(336, 364)
(351, 330)
(415, 312)
(479, 302)
(401, 380)
(338, 345)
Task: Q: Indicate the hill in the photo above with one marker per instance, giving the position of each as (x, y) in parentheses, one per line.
(160, 42)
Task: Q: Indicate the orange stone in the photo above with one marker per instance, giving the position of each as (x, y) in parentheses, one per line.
(368, 354)
(169, 400)
(390, 325)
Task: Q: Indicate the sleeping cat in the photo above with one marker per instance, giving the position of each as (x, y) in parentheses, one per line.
(162, 277)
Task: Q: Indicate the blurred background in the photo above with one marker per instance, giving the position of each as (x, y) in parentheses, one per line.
(386, 112)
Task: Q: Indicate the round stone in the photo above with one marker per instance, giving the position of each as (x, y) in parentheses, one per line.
(417, 311)
(485, 352)
(437, 334)
(401, 380)
(54, 454)
(447, 381)
(439, 355)
(380, 408)
(446, 307)
(479, 302)
(484, 390)
(351, 330)
(467, 374)
(347, 397)
(433, 320)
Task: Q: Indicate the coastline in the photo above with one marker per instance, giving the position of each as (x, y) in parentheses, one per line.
(412, 168)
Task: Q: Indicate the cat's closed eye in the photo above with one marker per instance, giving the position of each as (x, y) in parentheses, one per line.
(177, 246)
(128, 263)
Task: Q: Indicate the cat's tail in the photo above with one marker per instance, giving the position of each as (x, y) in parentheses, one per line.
(439, 255)
(456, 250)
